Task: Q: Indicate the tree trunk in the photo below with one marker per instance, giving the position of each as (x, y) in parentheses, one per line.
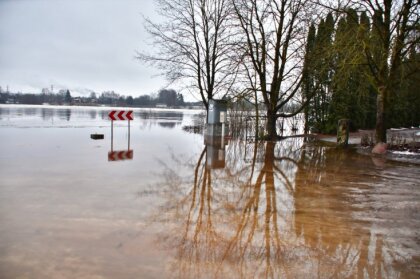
(269, 156)
(306, 112)
(271, 125)
(257, 116)
(380, 132)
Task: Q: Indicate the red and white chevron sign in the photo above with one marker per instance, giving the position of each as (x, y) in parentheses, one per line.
(120, 155)
(121, 115)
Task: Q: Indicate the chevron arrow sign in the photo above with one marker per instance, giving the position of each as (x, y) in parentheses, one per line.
(120, 115)
(120, 155)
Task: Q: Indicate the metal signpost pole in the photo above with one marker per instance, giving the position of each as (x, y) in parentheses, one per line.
(112, 135)
(128, 134)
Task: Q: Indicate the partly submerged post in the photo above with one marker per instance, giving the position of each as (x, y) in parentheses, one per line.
(112, 135)
(128, 148)
(343, 132)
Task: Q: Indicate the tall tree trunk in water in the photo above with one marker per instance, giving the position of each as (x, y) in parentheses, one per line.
(257, 116)
(269, 156)
(271, 125)
(380, 132)
(306, 129)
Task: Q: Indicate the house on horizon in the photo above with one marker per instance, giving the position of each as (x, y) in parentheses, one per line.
(160, 105)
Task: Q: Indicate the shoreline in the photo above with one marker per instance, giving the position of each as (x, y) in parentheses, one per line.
(403, 146)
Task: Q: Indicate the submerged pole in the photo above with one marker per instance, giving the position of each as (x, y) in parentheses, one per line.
(112, 135)
(128, 134)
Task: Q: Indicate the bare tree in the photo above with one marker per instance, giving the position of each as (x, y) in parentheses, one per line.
(194, 45)
(273, 41)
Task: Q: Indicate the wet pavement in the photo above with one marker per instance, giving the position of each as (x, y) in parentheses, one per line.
(186, 206)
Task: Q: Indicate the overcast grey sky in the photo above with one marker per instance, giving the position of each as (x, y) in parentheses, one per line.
(77, 44)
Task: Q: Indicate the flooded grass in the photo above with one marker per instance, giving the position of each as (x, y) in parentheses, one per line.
(189, 206)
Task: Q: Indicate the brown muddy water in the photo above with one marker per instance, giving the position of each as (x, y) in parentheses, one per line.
(189, 207)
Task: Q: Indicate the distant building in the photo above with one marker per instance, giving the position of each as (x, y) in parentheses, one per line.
(161, 106)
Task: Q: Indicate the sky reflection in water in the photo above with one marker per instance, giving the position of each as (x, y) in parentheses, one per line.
(189, 207)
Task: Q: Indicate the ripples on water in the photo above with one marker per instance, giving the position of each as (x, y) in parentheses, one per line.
(193, 207)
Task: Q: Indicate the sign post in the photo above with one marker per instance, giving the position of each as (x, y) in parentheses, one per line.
(124, 154)
(112, 134)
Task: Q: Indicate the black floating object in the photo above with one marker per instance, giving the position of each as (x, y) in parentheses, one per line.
(97, 136)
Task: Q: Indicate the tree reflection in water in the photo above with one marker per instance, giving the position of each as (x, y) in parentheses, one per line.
(275, 210)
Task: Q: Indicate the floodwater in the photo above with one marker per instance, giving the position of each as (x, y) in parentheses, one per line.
(188, 206)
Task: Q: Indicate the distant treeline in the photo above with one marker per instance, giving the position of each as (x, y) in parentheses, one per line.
(165, 98)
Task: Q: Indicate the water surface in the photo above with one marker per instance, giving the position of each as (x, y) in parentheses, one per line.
(187, 206)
